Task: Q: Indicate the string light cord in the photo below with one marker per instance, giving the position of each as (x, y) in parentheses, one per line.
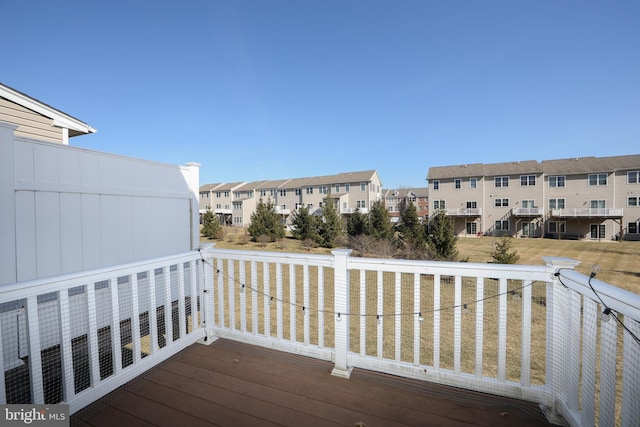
(378, 316)
(607, 311)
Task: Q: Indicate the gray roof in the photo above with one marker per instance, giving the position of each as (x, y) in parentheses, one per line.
(550, 167)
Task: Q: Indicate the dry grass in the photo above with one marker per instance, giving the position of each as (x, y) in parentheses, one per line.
(618, 261)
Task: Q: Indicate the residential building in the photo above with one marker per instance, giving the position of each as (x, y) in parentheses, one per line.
(37, 120)
(397, 200)
(579, 198)
(234, 203)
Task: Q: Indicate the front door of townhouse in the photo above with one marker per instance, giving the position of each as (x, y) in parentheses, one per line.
(598, 231)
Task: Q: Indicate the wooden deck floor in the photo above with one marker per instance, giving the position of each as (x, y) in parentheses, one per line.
(234, 384)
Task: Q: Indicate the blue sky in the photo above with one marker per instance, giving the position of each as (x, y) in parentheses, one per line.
(281, 89)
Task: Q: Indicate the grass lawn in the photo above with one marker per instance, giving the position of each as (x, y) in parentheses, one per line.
(619, 262)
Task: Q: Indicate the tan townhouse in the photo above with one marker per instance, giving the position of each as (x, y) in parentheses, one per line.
(580, 198)
(348, 191)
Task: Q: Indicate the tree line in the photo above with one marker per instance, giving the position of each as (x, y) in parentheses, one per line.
(368, 234)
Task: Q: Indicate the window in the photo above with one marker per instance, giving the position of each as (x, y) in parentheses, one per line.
(436, 185)
(438, 204)
(632, 202)
(557, 181)
(299, 205)
(363, 186)
(361, 204)
(556, 204)
(633, 177)
(236, 194)
(322, 189)
(347, 187)
(527, 180)
(473, 182)
(501, 202)
(632, 228)
(472, 228)
(298, 191)
(218, 194)
(237, 220)
(557, 227)
(226, 194)
(237, 205)
(250, 193)
(309, 190)
(598, 179)
(283, 193)
(263, 193)
(310, 206)
(273, 192)
(336, 188)
(472, 205)
(598, 204)
(502, 225)
(528, 204)
(501, 181)
(457, 182)
(218, 206)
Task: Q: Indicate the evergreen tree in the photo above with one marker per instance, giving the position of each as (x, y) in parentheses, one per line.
(304, 225)
(502, 253)
(357, 224)
(442, 239)
(330, 226)
(412, 232)
(265, 222)
(379, 224)
(211, 227)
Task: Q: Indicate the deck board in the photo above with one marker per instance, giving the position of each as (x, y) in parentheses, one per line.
(233, 384)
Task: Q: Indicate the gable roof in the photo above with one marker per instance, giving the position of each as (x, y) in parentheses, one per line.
(551, 167)
(60, 119)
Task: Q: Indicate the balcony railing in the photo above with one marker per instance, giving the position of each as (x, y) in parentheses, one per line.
(352, 210)
(226, 211)
(528, 332)
(464, 212)
(527, 212)
(587, 213)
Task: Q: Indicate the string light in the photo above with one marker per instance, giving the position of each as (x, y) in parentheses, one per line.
(515, 296)
(605, 316)
(420, 318)
(465, 310)
(338, 318)
(242, 289)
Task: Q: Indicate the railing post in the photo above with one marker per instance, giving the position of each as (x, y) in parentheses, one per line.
(557, 335)
(341, 308)
(208, 300)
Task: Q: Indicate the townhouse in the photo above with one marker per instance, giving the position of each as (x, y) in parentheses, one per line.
(580, 198)
(235, 202)
(397, 200)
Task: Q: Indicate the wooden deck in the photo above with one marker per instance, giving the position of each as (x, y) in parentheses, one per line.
(234, 384)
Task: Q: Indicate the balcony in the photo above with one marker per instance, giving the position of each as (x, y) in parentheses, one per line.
(352, 210)
(587, 213)
(464, 212)
(226, 211)
(282, 211)
(395, 333)
(527, 212)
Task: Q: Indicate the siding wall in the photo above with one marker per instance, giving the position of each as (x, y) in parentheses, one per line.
(30, 124)
(68, 209)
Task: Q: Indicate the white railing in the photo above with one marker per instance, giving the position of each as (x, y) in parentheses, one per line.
(527, 332)
(587, 212)
(77, 337)
(505, 330)
(527, 211)
(464, 212)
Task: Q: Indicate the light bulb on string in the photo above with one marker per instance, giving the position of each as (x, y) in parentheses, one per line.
(420, 318)
(270, 299)
(338, 318)
(515, 296)
(378, 318)
(465, 310)
(594, 270)
(242, 289)
(605, 316)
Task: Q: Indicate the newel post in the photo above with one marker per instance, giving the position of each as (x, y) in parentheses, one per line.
(208, 297)
(557, 333)
(341, 308)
